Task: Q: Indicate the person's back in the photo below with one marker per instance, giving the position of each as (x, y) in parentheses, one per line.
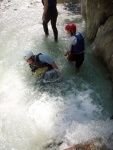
(52, 3)
(79, 46)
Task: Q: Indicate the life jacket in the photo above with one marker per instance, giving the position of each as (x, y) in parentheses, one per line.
(51, 3)
(39, 64)
(79, 46)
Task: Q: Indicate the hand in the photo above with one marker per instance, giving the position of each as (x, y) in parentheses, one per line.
(67, 53)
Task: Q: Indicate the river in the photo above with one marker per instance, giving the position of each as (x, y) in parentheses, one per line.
(73, 110)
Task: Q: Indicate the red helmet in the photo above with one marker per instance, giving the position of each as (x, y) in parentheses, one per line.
(70, 27)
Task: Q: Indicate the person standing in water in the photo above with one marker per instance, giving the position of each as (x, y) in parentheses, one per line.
(50, 13)
(76, 46)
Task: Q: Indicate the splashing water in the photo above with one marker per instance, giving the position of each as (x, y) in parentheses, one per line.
(74, 109)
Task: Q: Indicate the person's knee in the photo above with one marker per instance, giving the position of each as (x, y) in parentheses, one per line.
(78, 64)
(54, 27)
(44, 23)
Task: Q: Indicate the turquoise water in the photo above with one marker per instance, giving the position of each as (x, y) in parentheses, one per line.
(73, 109)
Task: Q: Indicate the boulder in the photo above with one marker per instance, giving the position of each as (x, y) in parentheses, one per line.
(95, 144)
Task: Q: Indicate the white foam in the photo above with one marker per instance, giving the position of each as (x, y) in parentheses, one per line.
(80, 133)
(32, 114)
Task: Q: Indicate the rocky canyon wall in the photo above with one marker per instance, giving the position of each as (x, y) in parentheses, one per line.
(98, 15)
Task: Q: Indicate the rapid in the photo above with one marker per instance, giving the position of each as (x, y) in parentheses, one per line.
(73, 110)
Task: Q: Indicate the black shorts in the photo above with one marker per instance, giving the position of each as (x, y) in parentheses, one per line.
(78, 58)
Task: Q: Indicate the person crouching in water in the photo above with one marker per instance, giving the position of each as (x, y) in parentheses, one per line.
(40, 63)
(76, 46)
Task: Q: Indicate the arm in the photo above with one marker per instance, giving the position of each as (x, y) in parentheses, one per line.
(55, 68)
(54, 65)
(49, 60)
(72, 40)
(45, 9)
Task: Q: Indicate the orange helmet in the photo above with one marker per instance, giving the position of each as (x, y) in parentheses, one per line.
(70, 27)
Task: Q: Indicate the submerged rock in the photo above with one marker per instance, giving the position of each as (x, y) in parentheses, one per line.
(95, 144)
(52, 145)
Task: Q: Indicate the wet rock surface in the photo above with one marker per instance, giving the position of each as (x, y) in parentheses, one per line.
(99, 28)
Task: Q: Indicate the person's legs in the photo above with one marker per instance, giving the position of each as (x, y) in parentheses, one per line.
(53, 24)
(72, 58)
(45, 24)
(45, 27)
(79, 60)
